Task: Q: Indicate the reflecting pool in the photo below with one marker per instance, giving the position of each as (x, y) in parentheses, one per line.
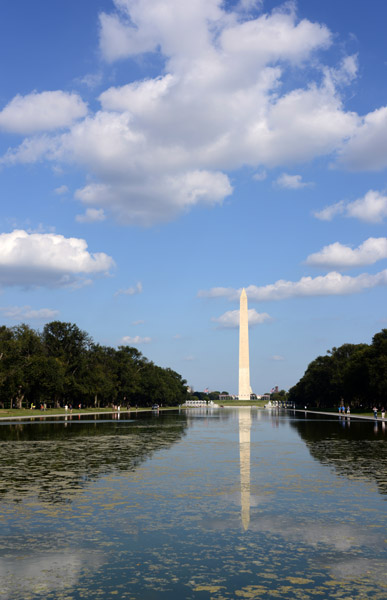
(225, 504)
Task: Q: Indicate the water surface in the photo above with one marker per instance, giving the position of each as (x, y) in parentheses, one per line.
(225, 504)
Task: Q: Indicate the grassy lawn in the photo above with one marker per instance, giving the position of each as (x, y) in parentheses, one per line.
(259, 403)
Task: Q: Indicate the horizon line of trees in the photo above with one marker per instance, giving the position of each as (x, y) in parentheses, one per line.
(62, 365)
(353, 374)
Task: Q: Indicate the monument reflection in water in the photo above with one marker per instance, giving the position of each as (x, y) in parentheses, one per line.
(222, 505)
(244, 458)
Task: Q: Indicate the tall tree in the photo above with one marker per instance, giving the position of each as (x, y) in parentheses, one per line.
(70, 346)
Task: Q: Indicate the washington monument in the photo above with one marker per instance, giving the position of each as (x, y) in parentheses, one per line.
(244, 363)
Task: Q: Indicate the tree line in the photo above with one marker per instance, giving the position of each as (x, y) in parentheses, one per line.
(353, 374)
(62, 365)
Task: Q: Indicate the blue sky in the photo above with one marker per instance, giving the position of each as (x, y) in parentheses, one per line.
(156, 156)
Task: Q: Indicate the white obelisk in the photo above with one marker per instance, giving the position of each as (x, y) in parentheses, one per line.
(244, 363)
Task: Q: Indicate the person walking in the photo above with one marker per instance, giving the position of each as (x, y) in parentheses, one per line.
(375, 412)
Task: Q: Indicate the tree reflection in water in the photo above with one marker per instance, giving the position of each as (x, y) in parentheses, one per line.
(49, 459)
(356, 449)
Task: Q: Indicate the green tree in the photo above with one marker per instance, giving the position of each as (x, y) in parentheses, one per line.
(70, 346)
(100, 381)
(19, 348)
(129, 364)
(354, 374)
(314, 388)
(378, 367)
(62, 364)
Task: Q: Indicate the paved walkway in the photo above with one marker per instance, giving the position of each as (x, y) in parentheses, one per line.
(337, 414)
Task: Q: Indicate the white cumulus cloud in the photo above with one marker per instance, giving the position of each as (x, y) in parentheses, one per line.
(43, 111)
(19, 313)
(371, 208)
(160, 146)
(231, 318)
(220, 292)
(139, 97)
(131, 291)
(329, 212)
(331, 284)
(91, 215)
(62, 189)
(367, 148)
(344, 73)
(158, 198)
(47, 259)
(33, 149)
(338, 255)
(91, 80)
(260, 175)
(127, 339)
(292, 182)
(247, 5)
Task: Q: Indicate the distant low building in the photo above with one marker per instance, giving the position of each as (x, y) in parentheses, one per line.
(225, 397)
